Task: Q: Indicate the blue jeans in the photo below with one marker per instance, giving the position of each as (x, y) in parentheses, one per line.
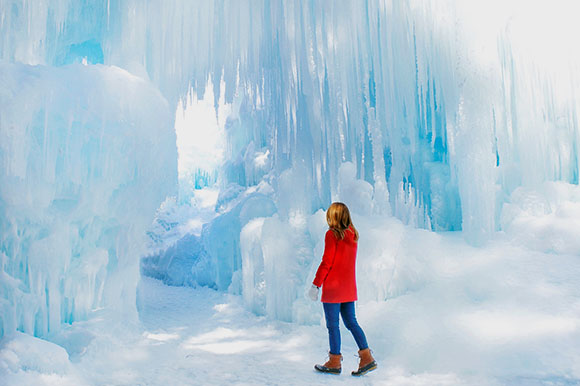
(331, 311)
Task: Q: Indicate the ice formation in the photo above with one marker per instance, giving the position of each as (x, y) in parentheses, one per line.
(87, 154)
(436, 112)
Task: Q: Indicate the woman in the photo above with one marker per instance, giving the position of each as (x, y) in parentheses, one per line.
(336, 275)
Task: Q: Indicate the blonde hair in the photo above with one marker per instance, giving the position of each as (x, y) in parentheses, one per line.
(338, 219)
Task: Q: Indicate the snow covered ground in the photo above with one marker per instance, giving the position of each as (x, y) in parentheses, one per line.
(191, 337)
(496, 315)
(436, 309)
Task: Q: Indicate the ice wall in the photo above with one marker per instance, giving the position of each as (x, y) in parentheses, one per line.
(87, 154)
(443, 106)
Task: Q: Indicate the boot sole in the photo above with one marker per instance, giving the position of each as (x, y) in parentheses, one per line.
(368, 368)
(327, 370)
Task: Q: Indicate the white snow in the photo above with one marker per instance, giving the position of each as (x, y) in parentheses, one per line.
(501, 314)
(193, 337)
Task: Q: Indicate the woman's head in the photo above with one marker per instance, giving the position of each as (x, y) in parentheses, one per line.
(338, 219)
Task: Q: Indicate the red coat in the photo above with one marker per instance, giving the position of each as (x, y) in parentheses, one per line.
(337, 271)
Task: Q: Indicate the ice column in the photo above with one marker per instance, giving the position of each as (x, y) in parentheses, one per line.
(87, 155)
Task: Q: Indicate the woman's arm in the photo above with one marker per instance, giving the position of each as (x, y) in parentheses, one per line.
(327, 258)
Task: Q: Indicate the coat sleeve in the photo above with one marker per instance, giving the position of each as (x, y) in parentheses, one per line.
(330, 242)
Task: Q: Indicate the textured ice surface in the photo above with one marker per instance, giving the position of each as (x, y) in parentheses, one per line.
(87, 154)
(443, 107)
(214, 256)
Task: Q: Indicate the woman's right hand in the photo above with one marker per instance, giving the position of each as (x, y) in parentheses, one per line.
(313, 293)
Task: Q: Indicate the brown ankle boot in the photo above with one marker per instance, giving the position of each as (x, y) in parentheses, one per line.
(332, 366)
(367, 363)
